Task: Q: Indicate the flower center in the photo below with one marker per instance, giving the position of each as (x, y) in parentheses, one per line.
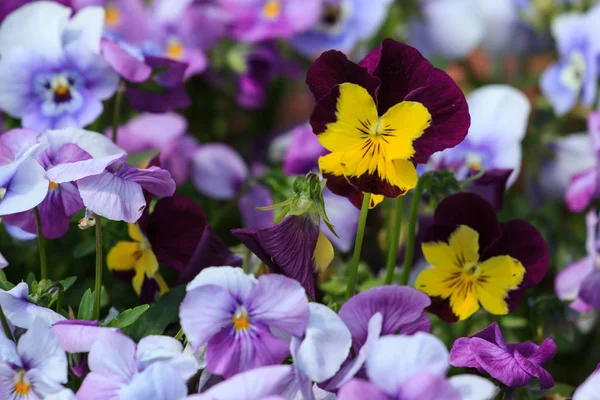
(474, 162)
(112, 17)
(175, 49)
(272, 9)
(240, 319)
(52, 185)
(22, 384)
(333, 17)
(331, 14)
(573, 73)
(59, 91)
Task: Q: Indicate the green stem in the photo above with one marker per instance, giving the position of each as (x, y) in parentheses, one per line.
(41, 245)
(117, 110)
(282, 214)
(59, 299)
(360, 233)
(395, 227)
(179, 334)
(412, 227)
(247, 258)
(99, 266)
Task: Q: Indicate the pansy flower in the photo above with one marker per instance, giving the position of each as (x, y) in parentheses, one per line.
(21, 312)
(579, 282)
(476, 260)
(176, 234)
(515, 365)
(35, 367)
(589, 388)
(381, 117)
(52, 72)
(236, 314)
(499, 117)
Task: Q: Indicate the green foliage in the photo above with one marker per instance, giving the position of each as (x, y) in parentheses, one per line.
(128, 317)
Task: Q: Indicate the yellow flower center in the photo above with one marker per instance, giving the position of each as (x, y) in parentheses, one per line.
(22, 384)
(175, 49)
(240, 319)
(459, 276)
(272, 9)
(52, 185)
(112, 15)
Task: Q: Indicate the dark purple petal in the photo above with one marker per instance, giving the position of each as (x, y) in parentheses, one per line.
(287, 248)
(471, 210)
(174, 71)
(491, 186)
(229, 353)
(499, 363)
(256, 196)
(401, 307)
(492, 334)
(170, 99)
(401, 69)
(450, 119)
(461, 354)
(127, 66)
(590, 289)
(152, 179)
(174, 230)
(333, 68)
(523, 242)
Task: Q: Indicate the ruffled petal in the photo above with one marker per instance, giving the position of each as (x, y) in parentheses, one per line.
(568, 281)
(78, 336)
(582, 189)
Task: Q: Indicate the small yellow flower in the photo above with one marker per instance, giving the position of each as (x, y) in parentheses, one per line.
(458, 275)
(136, 256)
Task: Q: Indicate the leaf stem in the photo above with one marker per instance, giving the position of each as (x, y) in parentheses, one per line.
(117, 111)
(412, 227)
(41, 245)
(360, 233)
(99, 266)
(395, 228)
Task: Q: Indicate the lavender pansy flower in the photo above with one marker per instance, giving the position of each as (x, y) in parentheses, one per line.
(22, 182)
(341, 25)
(21, 312)
(515, 365)
(579, 282)
(303, 152)
(411, 368)
(235, 314)
(257, 20)
(384, 310)
(34, 368)
(163, 133)
(584, 185)
(52, 72)
(575, 75)
(499, 117)
(70, 147)
(120, 369)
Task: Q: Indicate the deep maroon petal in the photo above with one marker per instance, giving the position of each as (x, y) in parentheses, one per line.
(174, 230)
(441, 308)
(402, 69)
(371, 60)
(450, 119)
(287, 248)
(325, 111)
(400, 306)
(491, 186)
(471, 210)
(590, 289)
(524, 242)
(339, 185)
(333, 68)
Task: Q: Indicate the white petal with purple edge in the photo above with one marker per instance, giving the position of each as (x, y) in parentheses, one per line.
(112, 356)
(156, 348)
(86, 26)
(325, 346)
(27, 189)
(78, 338)
(569, 280)
(233, 279)
(66, 394)
(252, 385)
(97, 387)
(396, 359)
(37, 26)
(473, 387)
(39, 349)
(589, 389)
(20, 312)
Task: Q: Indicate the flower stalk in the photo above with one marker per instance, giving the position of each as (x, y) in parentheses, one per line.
(412, 228)
(41, 245)
(99, 265)
(394, 237)
(360, 233)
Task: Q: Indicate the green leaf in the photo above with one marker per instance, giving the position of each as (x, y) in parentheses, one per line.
(86, 306)
(128, 317)
(154, 321)
(4, 283)
(68, 282)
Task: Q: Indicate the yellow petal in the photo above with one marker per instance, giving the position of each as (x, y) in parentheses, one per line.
(434, 281)
(160, 281)
(495, 278)
(400, 126)
(134, 232)
(463, 301)
(323, 254)
(375, 200)
(440, 255)
(465, 244)
(123, 256)
(332, 163)
(356, 113)
(147, 265)
(402, 173)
